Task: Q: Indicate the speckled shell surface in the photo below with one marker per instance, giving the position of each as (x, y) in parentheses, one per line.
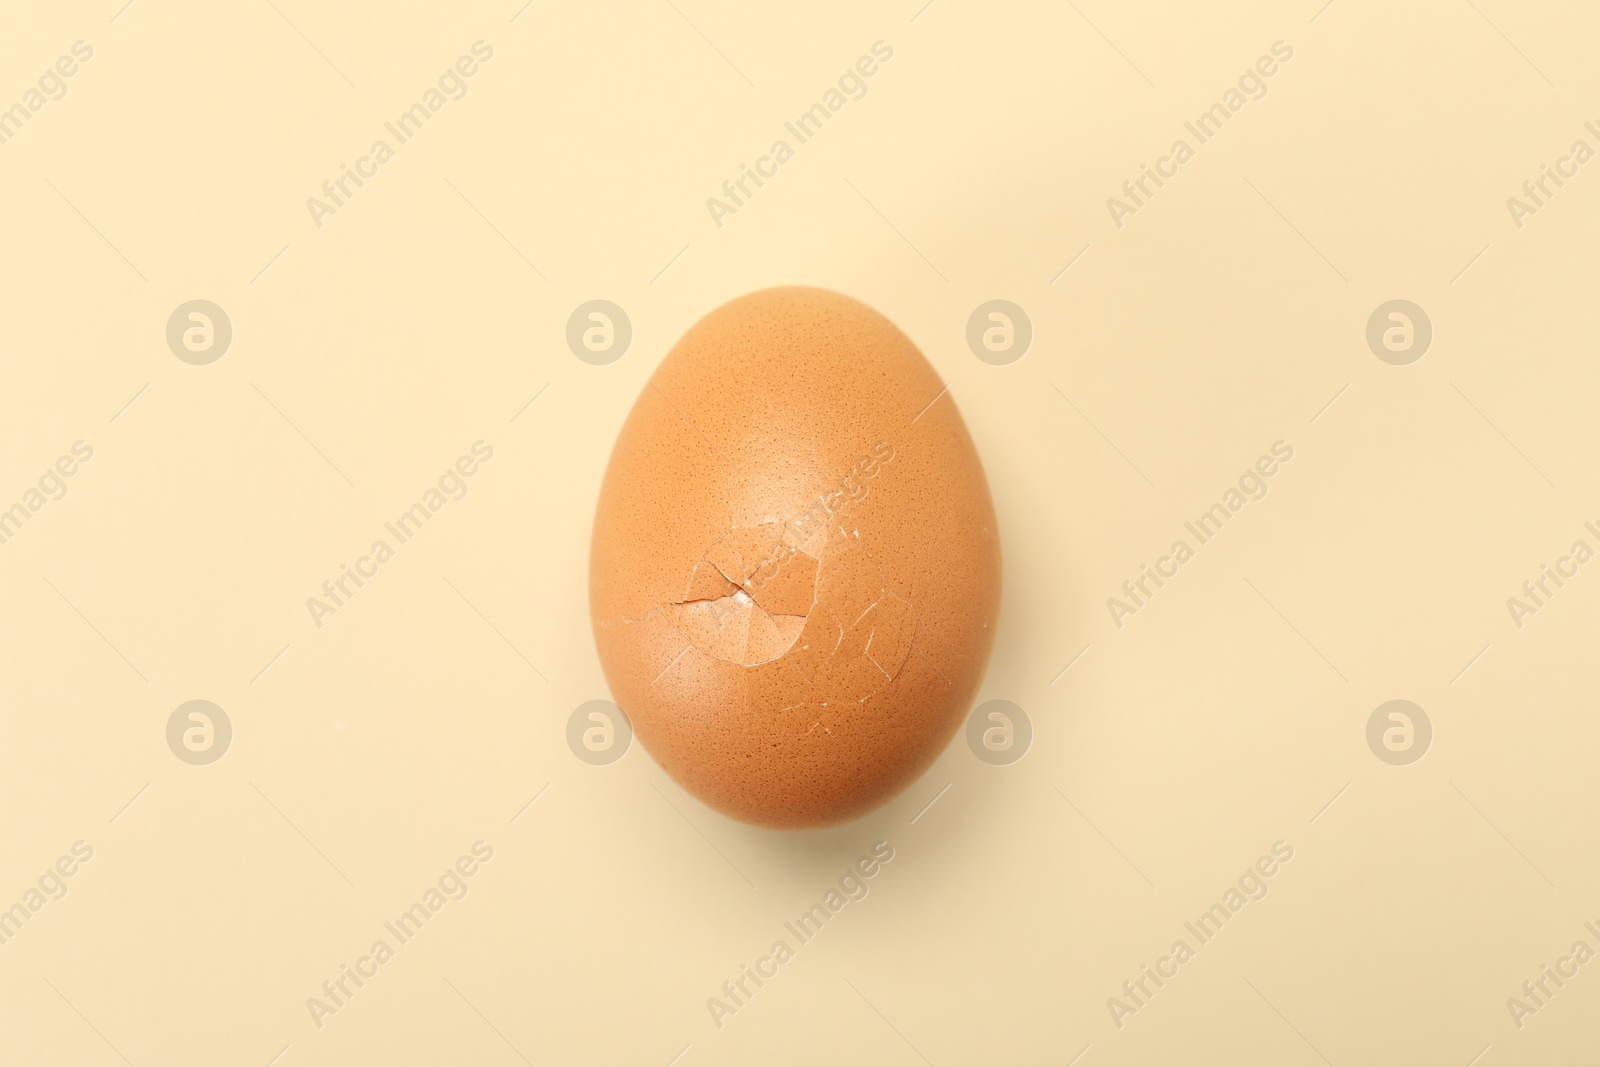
(795, 571)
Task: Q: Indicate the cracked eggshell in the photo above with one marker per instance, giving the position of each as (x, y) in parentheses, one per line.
(795, 571)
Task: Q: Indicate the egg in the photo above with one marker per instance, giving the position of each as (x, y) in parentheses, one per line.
(794, 575)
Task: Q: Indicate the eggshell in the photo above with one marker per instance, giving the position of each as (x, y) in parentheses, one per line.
(795, 571)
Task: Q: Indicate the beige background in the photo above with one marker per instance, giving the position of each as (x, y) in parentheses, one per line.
(370, 353)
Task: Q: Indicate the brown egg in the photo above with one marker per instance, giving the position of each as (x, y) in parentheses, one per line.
(795, 571)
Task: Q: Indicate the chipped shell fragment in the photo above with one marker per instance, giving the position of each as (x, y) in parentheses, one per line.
(795, 570)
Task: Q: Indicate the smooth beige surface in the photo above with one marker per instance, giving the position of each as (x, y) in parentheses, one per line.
(1170, 754)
